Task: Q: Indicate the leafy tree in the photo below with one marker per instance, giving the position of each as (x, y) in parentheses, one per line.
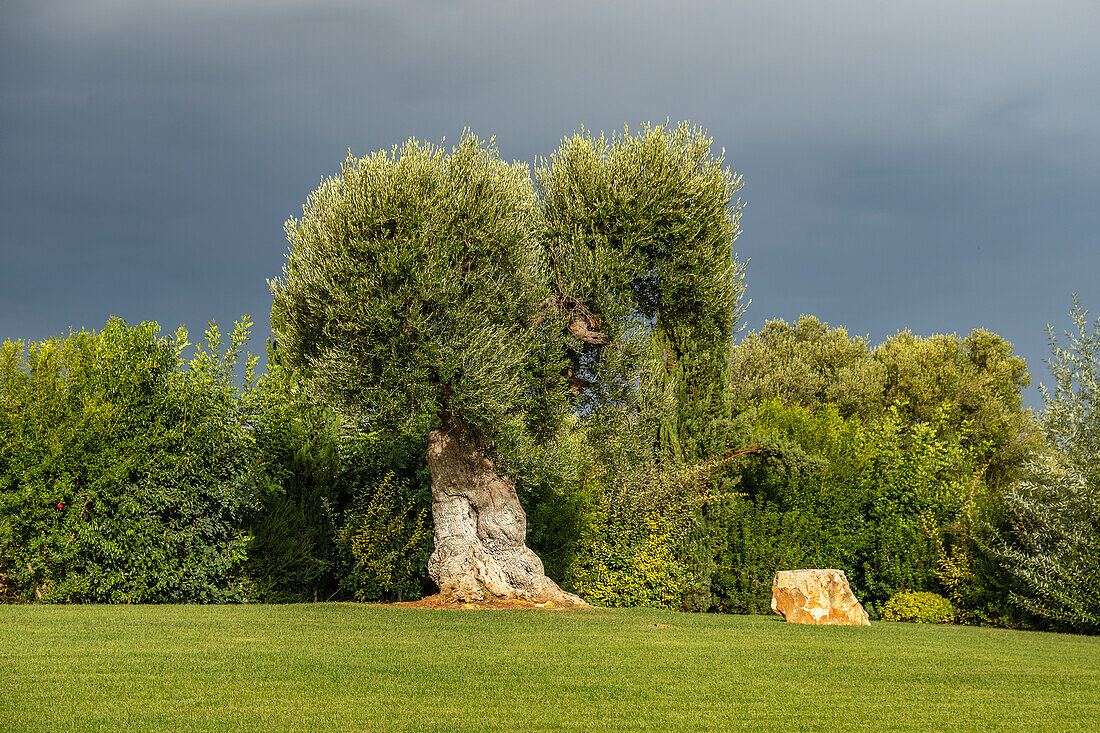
(419, 296)
(1052, 544)
(809, 364)
(411, 298)
(640, 229)
(980, 375)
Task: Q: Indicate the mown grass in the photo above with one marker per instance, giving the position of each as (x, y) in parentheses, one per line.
(358, 667)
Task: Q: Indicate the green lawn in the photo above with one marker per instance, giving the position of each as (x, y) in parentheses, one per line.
(357, 667)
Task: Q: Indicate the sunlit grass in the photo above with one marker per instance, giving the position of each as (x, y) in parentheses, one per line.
(357, 667)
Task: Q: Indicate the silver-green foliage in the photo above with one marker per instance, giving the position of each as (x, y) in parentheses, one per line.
(411, 287)
(424, 285)
(1053, 548)
(639, 230)
(1071, 420)
(634, 222)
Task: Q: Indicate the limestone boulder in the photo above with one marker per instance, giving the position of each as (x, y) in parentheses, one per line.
(814, 596)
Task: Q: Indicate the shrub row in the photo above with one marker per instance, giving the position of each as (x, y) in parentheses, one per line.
(129, 473)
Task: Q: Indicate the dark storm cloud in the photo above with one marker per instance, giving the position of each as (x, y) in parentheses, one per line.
(933, 166)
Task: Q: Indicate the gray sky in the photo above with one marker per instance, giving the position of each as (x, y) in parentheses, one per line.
(933, 166)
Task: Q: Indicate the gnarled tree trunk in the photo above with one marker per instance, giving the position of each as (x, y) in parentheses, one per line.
(480, 528)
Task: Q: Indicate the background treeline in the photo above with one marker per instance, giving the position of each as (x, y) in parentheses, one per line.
(132, 474)
(662, 459)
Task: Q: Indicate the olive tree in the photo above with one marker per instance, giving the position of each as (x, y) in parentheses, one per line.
(640, 230)
(411, 299)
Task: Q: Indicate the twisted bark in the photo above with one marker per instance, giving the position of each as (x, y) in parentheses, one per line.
(480, 528)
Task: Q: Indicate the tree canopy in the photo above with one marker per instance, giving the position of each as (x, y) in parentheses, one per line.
(978, 377)
(808, 363)
(412, 288)
(640, 229)
(438, 293)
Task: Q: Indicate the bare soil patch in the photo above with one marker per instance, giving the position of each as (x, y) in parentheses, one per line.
(441, 601)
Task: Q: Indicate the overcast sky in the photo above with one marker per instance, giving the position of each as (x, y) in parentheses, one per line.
(929, 165)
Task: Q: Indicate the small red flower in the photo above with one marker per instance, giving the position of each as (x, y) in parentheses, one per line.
(60, 505)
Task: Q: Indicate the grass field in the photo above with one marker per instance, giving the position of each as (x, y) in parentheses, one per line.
(357, 667)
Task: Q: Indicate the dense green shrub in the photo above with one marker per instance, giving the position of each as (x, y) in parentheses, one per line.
(318, 478)
(887, 502)
(803, 503)
(556, 493)
(759, 538)
(125, 472)
(918, 607)
(631, 551)
(927, 481)
(636, 521)
(291, 552)
(384, 478)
